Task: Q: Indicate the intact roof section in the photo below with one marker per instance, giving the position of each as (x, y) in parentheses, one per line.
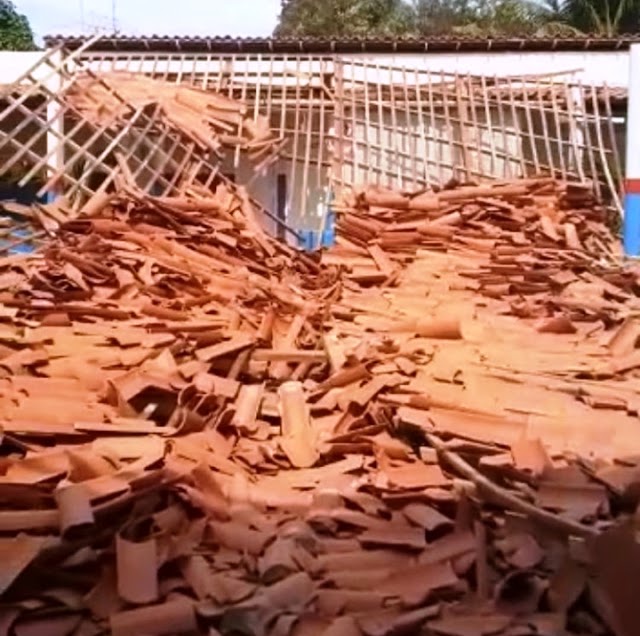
(228, 44)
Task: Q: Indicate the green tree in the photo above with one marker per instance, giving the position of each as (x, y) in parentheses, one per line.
(15, 32)
(477, 17)
(607, 18)
(345, 18)
(437, 17)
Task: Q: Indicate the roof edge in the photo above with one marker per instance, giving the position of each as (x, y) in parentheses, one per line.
(228, 44)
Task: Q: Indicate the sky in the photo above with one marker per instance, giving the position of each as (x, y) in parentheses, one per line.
(149, 17)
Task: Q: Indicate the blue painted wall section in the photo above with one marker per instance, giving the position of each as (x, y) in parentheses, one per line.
(631, 227)
(311, 240)
(16, 233)
(631, 220)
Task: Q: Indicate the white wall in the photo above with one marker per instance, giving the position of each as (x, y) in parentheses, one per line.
(14, 64)
(599, 67)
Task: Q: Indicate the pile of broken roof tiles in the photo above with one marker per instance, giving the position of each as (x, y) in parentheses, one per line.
(430, 429)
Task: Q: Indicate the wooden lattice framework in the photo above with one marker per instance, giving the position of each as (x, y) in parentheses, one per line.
(344, 121)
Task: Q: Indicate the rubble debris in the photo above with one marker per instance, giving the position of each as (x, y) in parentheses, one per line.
(205, 431)
(209, 119)
(513, 234)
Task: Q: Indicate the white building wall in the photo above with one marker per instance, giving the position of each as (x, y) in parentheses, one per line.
(598, 67)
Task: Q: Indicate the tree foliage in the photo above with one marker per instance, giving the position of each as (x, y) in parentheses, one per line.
(344, 18)
(424, 18)
(15, 31)
(607, 18)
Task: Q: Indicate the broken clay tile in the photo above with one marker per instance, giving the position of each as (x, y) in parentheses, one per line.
(557, 324)
(225, 589)
(358, 579)
(413, 585)
(521, 550)
(225, 348)
(103, 599)
(416, 475)
(350, 560)
(137, 569)
(342, 626)
(448, 547)
(530, 456)
(291, 593)
(394, 535)
(439, 329)
(626, 337)
(335, 602)
(470, 625)
(566, 585)
(393, 621)
(237, 536)
(74, 506)
(425, 516)
(298, 435)
(577, 501)
(247, 407)
(163, 619)
(17, 554)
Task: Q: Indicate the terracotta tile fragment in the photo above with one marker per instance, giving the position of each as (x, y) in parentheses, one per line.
(394, 621)
(521, 550)
(449, 547)
(558, 325)
(236, 536)
(361, 559)
(247, 407)
(47, 625)
(342, 626)
(103, 599)
(473, 625)
(74, 506)
(530, 456)
(566, 585)
(156, 620)
(298, 437)
(439, 329)
(425, 516)
(335, 602)
(225, 348)
(17, 553)
(416, 475)
(137, 569)
(291, 593)
(394, 535)
(577, 501)
(225, 589)
(413, 585)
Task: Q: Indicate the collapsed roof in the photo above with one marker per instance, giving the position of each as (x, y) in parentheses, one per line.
(430, 428)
